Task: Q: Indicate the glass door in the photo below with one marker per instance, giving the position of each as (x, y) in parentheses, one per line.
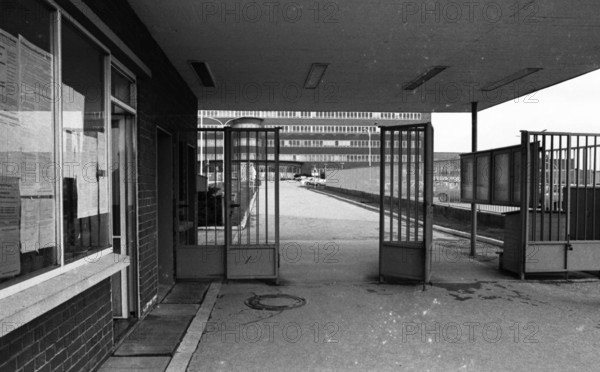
(124, 208)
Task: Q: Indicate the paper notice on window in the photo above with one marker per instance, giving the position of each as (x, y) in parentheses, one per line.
(10, 257)
(10, 209)
(37, 224)
(30, 225)
(9, 79)
(9, 104)
(36, 130)
(87, 179)
(47, 223)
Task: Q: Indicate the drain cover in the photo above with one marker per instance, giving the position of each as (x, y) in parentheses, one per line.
(275, 302)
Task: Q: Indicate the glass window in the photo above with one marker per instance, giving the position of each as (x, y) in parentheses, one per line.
(466, 178)
(28, 244)
(483, 177)
(85, 172)
(122, 88)
(501, 177)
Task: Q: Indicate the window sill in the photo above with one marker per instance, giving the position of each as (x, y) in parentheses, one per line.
(22, 307)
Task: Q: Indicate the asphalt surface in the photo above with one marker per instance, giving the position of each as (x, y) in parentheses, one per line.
(472, 318)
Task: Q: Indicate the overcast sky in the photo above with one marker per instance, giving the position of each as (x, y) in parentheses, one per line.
(573, 106)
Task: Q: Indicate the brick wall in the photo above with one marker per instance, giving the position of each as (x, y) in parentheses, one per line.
(75, 336)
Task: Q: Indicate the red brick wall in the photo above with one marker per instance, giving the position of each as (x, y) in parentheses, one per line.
(75, 336)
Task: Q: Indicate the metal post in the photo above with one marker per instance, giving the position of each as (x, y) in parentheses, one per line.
(474, 205)
(201, 142)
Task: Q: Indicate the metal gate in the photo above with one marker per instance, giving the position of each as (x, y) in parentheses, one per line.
(238, 206)
(561, 189)
(252, 203)
(406, 202)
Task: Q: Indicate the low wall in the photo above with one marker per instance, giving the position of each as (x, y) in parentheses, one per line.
(485, 219)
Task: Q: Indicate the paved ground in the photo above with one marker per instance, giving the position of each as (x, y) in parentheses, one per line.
(473, 318)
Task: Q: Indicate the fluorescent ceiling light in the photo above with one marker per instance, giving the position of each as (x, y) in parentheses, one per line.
(427, 75)
(510, 78)
(203, 72)
(315, 75)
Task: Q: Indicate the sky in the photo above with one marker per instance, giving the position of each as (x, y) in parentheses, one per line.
(572, 106)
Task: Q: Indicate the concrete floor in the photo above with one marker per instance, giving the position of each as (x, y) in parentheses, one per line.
(473, 318)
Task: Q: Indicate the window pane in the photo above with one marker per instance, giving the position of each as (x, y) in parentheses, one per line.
(501, 178)
(483, 177)
(85, 173)
(27, 154)
(121, 88)
(466, 178)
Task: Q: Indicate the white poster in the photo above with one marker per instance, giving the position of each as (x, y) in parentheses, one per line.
(10, 208)
(37, 137)
(9, 105)
(47, 232)
(9, 80)
(30, 225)
(87, 182)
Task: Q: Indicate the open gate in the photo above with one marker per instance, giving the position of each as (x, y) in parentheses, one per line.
(238, 206)
(406, 202)
(252, 203)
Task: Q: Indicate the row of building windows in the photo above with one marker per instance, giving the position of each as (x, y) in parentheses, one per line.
(326, 128)
(211, 143)
(314, 128)
(312, 115)
(338, 143)
(318, 157)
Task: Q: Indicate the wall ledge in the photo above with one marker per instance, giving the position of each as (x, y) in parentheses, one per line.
(22, 307)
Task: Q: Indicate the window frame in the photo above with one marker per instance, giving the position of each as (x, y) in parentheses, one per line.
(57, 16)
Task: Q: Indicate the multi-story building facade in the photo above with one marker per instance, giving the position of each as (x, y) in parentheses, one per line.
(311, 141)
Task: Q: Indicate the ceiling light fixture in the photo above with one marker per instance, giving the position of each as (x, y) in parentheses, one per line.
(421, 79)
(203, 72)
(510, 78)
(315, 75)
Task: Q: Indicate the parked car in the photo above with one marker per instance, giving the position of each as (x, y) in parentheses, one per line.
(313, 181)
(446, 191)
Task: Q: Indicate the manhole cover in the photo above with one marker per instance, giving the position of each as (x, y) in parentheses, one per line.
(275, 302)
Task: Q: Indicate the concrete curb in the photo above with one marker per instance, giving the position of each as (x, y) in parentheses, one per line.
(188, 345)
(446, 230)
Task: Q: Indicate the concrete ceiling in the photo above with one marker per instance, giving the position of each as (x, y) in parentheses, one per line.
(260, 52)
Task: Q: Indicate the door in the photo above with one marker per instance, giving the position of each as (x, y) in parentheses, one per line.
(406, 202)
(124, 204)
(252, 203)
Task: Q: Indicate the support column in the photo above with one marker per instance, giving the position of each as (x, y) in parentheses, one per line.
(474, 205)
